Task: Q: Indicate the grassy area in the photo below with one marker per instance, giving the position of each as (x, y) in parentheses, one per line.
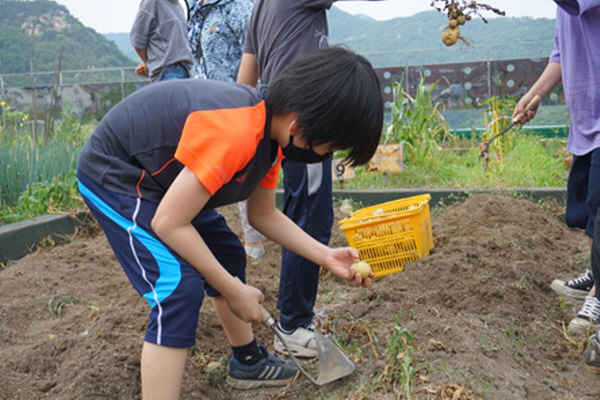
(532, 162)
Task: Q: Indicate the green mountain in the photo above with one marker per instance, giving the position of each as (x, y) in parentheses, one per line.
(122, 42)
(416, 40)
(34, 33)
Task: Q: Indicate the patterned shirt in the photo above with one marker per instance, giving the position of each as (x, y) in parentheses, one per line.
(216, 32)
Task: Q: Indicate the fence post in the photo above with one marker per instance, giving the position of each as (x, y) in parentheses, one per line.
(122, 84)
(60, 81)
(407, 77)
(489, 72)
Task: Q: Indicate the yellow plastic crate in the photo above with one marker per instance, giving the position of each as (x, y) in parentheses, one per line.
(392, 234)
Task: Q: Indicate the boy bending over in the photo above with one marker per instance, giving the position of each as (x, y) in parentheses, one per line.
(161, 161)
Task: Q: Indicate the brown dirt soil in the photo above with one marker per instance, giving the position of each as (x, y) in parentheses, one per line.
(484, 320)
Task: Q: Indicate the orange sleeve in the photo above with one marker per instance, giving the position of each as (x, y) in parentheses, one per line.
(215, 144)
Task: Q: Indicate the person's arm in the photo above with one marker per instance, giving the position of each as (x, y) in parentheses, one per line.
(264, 216)
(139, 34)
(248, 72)
(172, 223)
(142, 69)
(549, 79)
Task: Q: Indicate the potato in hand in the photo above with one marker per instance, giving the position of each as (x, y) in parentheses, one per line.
(362, 268)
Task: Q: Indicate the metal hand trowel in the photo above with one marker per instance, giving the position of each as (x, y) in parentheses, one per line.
(333, 363)
(517, 120)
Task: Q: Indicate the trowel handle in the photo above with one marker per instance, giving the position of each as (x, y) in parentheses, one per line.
(265, 317)
(530, 106)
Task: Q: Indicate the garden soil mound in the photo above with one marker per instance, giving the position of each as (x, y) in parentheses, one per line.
(484, 320)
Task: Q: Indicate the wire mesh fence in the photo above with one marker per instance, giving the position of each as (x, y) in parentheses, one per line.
(457, 86)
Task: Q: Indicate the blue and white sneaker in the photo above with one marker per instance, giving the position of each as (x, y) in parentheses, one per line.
(269, 371)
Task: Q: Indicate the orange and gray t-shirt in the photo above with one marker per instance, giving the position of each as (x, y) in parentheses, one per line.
(219, 130)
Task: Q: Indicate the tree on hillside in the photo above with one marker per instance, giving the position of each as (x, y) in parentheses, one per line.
(34, 33)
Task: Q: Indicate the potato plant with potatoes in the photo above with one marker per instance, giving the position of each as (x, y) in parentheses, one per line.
(459, 12)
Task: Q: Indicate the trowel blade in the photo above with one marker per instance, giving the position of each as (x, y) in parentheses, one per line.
(333, 362)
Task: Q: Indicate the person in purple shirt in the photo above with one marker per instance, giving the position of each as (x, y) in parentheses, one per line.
(575, 61)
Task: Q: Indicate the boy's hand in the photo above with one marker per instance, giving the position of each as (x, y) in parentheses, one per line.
(339, 263)
(244, 303)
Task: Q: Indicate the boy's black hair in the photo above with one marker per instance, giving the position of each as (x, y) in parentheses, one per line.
(337, 96)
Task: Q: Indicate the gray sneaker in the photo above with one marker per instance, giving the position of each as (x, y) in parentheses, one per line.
(591, 356)
(301, 342)
(588, 318)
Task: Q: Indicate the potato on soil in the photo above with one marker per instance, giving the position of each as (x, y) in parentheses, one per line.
(450, 36)
(362, 268)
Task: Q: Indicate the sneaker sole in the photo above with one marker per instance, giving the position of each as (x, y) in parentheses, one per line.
(581, 327)
(298, 351)
(245, 384)
(559, 288)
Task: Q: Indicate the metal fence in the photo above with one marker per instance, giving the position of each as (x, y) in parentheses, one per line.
(90, 91)
(455, 86)
(468, 84)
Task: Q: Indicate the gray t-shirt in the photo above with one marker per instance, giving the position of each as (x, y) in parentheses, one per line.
(160, 27)
(279, 31)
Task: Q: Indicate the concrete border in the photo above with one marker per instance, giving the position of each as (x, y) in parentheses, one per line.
(444, 196)
(21, 238)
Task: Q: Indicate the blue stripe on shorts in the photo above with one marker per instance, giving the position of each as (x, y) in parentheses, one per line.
(173, 287)
(169, 276)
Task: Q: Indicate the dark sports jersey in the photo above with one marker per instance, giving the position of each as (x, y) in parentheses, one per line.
(219, 130)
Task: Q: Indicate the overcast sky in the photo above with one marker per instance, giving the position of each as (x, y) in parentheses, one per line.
(116, 16)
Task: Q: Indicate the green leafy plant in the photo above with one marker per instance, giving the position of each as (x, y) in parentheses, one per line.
(12, 123)
(45, 197)
(516, 333)
(482, 348)
(216, 372)
(56, 304)
(400, 368)
(416, 122)
(37, 172)
(498, 116)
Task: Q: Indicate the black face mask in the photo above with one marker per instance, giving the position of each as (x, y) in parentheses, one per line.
(297, 154)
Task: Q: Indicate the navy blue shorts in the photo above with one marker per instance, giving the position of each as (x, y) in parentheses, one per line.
(173, 288)
(583, 192)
